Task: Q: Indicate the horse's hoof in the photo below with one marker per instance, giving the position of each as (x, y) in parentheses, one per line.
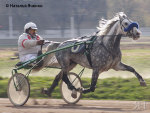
(84, 91)
(74, 93)
(45, 91)
(142, 83)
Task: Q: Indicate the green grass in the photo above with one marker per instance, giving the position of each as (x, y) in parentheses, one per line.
(106, 89)
(109, 88)
(3, 87)
(137, 58)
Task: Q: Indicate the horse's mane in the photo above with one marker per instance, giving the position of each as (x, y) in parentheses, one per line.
(105, 25)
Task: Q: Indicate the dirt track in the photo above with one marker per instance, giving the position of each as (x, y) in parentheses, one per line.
(86, 106)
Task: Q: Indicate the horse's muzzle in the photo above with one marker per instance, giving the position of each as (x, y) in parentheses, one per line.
(136, 33)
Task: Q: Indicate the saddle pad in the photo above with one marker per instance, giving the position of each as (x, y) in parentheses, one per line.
(78, 48)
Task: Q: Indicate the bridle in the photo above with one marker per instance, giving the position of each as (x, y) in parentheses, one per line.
(129, 29)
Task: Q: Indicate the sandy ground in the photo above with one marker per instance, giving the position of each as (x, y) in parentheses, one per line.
(83, 106)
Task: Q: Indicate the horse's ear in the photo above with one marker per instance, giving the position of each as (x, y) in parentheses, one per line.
(121, 15)
(120, 18)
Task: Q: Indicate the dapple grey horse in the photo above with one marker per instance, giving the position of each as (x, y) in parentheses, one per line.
(105, 52)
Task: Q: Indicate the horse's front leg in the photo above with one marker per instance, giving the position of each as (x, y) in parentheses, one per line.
(124, 67)
(95, 75)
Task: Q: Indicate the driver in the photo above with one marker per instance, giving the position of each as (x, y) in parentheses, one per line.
(29, 43)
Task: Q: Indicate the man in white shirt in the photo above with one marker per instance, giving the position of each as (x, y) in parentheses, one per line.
(29, 43)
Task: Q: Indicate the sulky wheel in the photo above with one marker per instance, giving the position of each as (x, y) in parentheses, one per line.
(66, 93)
(18, 89)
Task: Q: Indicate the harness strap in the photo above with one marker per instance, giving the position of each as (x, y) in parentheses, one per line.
(88, 48)
(88, 55)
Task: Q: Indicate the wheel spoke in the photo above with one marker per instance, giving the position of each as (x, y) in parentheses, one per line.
(18, 97)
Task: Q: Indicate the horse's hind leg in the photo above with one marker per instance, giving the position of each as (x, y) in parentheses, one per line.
(67, 81)
(62, 75)
(54, 84)
(65, 77)
(124, 67)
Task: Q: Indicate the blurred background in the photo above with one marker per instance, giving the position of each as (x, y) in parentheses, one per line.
(67, 18)
(59, 20)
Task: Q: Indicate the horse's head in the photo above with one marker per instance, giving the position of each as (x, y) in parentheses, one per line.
(128, 27)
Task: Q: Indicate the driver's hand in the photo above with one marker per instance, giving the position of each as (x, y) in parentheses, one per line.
(40, 42)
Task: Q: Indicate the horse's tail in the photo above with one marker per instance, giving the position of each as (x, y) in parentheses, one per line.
(50, 59)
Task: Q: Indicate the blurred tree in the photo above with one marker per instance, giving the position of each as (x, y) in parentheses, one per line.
(55, 14)
(138, 10)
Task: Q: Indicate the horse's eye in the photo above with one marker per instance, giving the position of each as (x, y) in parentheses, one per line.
(126, 23)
